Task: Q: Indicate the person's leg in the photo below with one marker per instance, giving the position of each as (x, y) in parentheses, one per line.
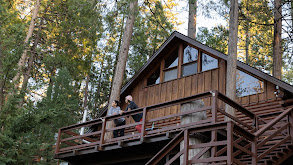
(122, 130)
(115, 133)
(138, 127)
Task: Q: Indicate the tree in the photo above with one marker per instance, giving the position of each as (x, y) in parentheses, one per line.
(11, 44)
(123, 53)
(277, 43)
(216, 38)
(23, 58)
(232, 55)
(192, 19)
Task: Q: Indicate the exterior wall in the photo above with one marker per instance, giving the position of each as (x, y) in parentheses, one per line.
(198, 83)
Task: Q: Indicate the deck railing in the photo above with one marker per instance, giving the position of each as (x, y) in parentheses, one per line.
(268, 145)
(69, 139)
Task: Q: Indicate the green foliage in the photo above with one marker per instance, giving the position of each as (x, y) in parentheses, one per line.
(216, 38)
(71, 39)
(30, 132)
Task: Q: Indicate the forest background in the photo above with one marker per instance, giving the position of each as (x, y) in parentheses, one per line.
(57, 54)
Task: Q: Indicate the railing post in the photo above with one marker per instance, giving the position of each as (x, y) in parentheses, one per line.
(256, 122)
(58, 141)
(214, 120)
(143, 125)
(214, 106)
(229, 143)
(254, 151)
(103, 132)
(186, 147)
(291, 124)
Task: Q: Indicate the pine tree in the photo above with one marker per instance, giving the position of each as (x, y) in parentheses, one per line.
(232, 55)
(123, 53)
(277, 43)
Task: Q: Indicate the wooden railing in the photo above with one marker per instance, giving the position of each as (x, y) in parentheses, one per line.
(69, 139)
(214, 151)
(239, 146)
(272, 136)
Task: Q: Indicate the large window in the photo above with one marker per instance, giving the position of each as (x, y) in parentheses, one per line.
(190, 56)
(171, 63)
(247, 85)
(184, 60)
(154, 78)
(208, 62)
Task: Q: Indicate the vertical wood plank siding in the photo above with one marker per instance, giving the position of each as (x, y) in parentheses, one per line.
(186, 86)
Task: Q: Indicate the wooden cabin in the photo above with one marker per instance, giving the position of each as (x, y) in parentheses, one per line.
(181, 71)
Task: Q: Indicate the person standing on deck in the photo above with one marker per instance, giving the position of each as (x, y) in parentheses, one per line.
(131, 105)
(114, 110)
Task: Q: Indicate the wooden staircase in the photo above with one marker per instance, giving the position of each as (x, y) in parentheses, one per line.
(270, 144)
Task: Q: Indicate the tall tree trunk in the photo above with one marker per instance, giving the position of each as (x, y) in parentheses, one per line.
(119, 46)
(85, 100)
(1, 78)
(123, 53)
(23, 58)
(232, 55)
(51, 83)
(197, 138)
(292, 19)
(247, 37)
(292, 14)
(27, 72)
(192, 19)
(277, 43)
(247, 44)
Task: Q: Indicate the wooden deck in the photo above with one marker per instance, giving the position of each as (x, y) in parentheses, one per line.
(271, 131)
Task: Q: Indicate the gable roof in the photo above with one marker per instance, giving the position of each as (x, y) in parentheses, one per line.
(176, 36)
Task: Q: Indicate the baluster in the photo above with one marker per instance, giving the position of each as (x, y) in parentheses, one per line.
(103, 132)
(58, 141)
(143, 125)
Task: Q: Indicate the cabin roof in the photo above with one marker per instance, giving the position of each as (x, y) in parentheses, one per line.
(175, 37)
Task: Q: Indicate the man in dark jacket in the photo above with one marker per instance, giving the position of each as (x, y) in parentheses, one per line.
(131, 105)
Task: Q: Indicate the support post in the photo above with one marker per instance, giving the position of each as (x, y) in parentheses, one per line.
(254, 151)
(58, 141)
(186, 147)
(214, 120)
(143, 125)
(103, 132)
(214, 105)
(291, 124)
(229, 143)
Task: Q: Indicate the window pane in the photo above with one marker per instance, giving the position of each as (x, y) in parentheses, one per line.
(172, 60)
(247, 85)
(154, 79)
(208, 62)
(189, 69)
(170, 74)
(190, 54)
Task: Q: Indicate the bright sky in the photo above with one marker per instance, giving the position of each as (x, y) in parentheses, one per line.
(202, 21)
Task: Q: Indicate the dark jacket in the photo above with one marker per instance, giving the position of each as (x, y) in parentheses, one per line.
(132, 106)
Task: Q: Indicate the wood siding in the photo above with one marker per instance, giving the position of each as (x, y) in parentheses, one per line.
(198, 83)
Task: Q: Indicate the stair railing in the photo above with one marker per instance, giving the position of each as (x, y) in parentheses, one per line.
(281, 127)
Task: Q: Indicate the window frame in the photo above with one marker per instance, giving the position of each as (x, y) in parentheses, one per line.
(254, 76)
(180, 52)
